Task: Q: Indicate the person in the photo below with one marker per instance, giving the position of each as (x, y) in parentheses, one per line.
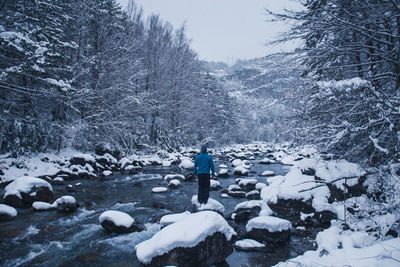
(203, 165)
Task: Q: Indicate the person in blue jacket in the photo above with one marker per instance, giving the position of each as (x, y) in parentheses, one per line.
(203, 165)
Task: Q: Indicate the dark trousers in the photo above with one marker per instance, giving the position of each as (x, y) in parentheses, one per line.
(204, 187)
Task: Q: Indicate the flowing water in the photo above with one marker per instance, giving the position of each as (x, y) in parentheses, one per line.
(52, 239)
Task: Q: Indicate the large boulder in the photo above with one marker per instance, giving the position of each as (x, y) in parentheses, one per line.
(119, 222)
(270, 229)
(25, 190)
(82, 159)
(211, 204)
(200, 239)
(247, 184)
(247, 210)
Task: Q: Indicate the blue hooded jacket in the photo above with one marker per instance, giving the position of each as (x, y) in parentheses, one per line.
(204, 163)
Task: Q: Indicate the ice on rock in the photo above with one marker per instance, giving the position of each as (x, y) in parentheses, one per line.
(117, 217)
(7, 210)
(211, 204)
(24, 184)
(270, 223)
(171, 218)
(185, 233)
(159, 189)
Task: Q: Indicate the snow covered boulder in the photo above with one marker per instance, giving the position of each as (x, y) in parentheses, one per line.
(7, 212)
(254, 195)
(250, 209)
(247, 184)
(25, 190)
(215, 185)
(200, 239)
(223, 173)
(186, 163)
(241, 170)
(42, 206)
(274, 230)
(119, 222)
(66, 204)
(211, 204)
(159, 189)
(267, 161)
(107, 160)
(249, 245)
(237, 162)
(174, 183)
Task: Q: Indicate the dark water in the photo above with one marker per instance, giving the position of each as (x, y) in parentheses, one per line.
(52, 239)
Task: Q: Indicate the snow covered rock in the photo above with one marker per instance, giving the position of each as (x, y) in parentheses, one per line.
(159, 189)
(171, 218)
(237, 194)
(25, 190)
(234, 187)
(267, 173)
(174, 176)
(250, 209)
(58, 180)
(200, 239)
(106, 160)
(174, 183)
(247, 184)
(222, 166)
(106, 173)
(119, 222)
(241, 170)
(237, 162)
(7, 212)
(223, 173)
(66, 204)
(124, 162)
(186, 163)
(254, 195)
(215, 185)
(249, 245)
(260, 186)
(273, 230)
(42, 206)
(211, 204)
(267, 161)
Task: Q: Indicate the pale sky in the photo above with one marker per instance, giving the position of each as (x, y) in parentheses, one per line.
(222, 30)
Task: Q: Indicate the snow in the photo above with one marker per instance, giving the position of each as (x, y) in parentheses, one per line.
(304, 216)
(270, 223)
(109, 158)
(234, 187)
(107, 173)
(241, 169)
(249, 243)
(267, 161)
(260, 186)
(223, 166)
(39, 205)
(171, 218)
(174, 182)
(187, 232)
(166, 163)
(246, 182)
(223, 172)
(24, 184)
(85, 157)
(8, 210)
(343, 249)
(159, 189)
(224, 195)
(174, 176)
(267, 173)
(214, 183)
(237, 162)
(124, 162)
(64, 199)
(211, 204)
(117, 217)
(186, 163)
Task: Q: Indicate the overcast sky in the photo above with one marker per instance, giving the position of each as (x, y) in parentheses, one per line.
(222, 30)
